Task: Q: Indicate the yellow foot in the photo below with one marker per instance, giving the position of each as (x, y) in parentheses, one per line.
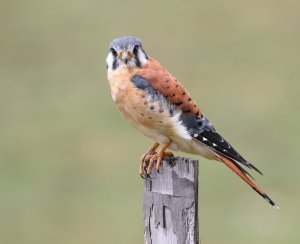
(143, 158)
(152, 157)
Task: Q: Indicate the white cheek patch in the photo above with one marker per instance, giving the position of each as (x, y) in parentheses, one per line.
(141, 56)
(110, 60)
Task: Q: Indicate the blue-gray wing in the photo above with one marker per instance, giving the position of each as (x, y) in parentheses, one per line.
(202, 130)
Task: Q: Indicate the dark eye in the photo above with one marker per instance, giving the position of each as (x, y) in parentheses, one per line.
(135, 49)
(113, 51)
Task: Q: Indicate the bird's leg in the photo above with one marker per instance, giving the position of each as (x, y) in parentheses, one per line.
(158, 157)
(161, 154)
(166, 154)
(145, 156)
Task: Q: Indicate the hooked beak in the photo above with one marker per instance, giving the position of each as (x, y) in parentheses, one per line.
(125, 56)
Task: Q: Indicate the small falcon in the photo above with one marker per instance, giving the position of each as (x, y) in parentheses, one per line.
(158, 105)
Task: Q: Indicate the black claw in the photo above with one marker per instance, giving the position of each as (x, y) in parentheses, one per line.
(145, 168)
(157, 171)
(142, 176)
(148, 176)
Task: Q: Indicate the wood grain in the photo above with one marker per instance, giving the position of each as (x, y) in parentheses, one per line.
(171, 203)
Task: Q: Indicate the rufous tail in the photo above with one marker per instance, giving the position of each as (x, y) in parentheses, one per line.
(232, 165)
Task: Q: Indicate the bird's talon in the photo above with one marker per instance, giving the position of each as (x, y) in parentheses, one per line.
(149, 158)
(148, 176)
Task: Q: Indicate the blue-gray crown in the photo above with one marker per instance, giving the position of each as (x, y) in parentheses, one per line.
(125, 41)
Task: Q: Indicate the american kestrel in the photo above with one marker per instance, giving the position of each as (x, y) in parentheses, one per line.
(158, 105)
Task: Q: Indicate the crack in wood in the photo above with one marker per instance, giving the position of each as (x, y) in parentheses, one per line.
(171, 202)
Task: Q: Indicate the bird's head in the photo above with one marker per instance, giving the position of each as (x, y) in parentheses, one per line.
(126, 52)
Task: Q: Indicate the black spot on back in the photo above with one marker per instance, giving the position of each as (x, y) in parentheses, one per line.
(178, 104)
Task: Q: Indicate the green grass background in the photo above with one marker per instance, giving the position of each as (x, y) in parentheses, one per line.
(68, 160)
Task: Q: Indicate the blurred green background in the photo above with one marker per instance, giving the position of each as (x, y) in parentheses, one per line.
(68, 160)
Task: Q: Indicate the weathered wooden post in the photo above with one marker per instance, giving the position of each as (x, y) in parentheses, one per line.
(171, 203)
